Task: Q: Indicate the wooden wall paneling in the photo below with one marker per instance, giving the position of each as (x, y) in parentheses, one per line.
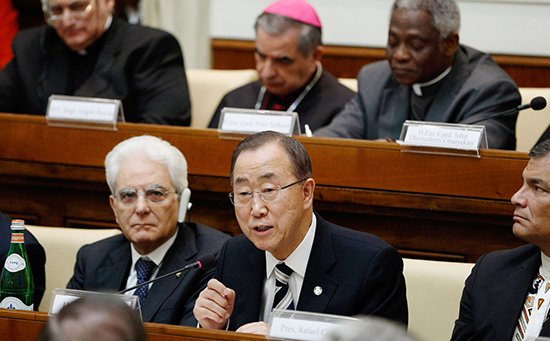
(346, 61)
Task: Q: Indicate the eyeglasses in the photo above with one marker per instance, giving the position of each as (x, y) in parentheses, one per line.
(267, 194)
(154, 195)
(77, 9)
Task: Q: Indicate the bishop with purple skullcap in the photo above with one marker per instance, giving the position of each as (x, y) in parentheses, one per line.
(298, 10)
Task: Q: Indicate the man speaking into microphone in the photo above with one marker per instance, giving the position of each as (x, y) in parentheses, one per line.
(147, 177)
(288, 257)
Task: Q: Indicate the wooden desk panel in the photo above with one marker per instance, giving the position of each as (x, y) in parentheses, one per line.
(429, 206)
(25, 326)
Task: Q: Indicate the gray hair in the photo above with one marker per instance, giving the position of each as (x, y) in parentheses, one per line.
(445, 13)
(153, 148)
(540, 150)
(297, 153)
(370, 328)
(309, 37)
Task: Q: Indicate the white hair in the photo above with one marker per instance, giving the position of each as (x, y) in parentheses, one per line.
(445, 13)
(153, 148)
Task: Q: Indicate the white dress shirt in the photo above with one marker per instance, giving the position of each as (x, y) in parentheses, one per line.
(156, 256)
(297, 261)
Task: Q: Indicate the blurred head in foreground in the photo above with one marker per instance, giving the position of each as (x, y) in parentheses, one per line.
(370, 328)
(94, 318)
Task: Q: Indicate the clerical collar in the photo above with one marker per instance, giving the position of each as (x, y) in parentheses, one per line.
(417, 87)
(107, 25)
(302, 95)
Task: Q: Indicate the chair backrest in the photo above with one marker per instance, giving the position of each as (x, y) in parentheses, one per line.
(434, 289)
(531, 124)
(207, 87)
(61, 245)
(349, 82)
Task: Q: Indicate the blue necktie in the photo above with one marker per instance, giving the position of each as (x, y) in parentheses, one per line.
(283, 298)
(144, 269)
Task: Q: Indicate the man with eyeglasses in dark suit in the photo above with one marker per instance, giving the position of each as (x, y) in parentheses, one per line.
(85, 51)
(147, 177)
(287, 248)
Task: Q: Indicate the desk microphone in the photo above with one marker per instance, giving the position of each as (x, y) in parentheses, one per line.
(205, 262)
(537, 103)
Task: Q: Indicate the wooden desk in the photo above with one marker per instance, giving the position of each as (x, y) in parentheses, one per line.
(428, 206)
(25, 326)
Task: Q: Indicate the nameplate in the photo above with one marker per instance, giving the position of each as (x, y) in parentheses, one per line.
(84, 112)
(443, 137)
(250, 121)
(300, 325)
(63, 297)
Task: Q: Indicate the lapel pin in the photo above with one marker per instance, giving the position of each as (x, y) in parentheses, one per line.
(178, 275)
(317, 290)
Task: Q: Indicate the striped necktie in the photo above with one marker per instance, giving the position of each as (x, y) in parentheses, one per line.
(283, 298)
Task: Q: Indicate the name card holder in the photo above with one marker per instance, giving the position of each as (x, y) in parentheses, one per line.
(62, 297)
(239, 123)
(442, 138)
(84, 112)
(301, 325)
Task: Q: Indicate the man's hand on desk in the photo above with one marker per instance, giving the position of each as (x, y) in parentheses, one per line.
(259, 328)
(214, 305)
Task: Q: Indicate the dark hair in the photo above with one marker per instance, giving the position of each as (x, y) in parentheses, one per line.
(309, 37)
(540, 150)
(94, 318)
(301, 163)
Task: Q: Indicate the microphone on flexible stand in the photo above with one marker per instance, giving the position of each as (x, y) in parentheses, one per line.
(537, 103)
(205, 262)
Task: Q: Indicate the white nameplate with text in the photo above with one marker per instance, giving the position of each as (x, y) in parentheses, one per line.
(249, 121)
(300, 325)
(63, 297)
(445, 138)
(87, 112)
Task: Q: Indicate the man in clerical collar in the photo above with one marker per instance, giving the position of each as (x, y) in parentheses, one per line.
(291, 78)
(428, 76)
(84, 51)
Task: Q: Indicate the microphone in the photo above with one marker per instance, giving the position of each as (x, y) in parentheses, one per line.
(204, 262)
(537, 103)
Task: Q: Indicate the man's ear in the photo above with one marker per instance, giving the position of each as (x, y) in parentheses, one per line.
(318, 53)
(112, 203)
(450, 44)
(308, 190)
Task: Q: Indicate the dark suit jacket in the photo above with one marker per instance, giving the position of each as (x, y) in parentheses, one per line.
(475, 88)
(105, 265)
(139, 65)
(358, 272)
(35, 251)
(494, 295)
(326, 99)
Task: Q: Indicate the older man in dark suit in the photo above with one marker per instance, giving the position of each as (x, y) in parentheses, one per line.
(147, 177)
(327, 268)
(428, 76)
(86, 52)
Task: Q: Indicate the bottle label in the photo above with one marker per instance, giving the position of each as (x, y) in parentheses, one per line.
(15, 303)
(18, 238)
(15, 263)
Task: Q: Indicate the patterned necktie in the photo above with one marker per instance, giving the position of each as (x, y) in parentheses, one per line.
(144, 269)
(283, 298)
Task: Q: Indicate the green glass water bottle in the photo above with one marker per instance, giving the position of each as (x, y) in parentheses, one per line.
(16, 282)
